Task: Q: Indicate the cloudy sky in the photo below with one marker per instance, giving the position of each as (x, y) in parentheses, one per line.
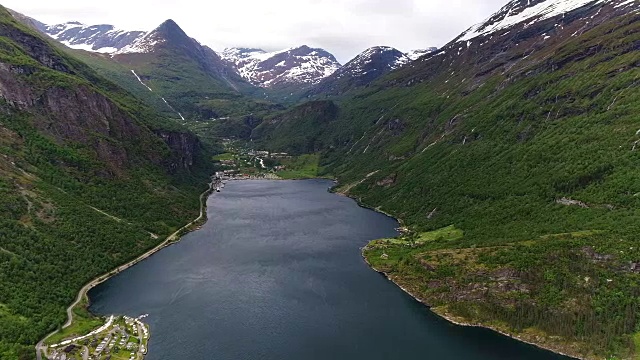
(343, 27)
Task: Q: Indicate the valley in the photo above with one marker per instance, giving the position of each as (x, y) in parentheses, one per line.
(508, 155)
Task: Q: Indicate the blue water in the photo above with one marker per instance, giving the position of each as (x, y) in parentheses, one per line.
(276, 273)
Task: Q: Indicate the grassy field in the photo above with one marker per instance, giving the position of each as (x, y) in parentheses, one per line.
(225, 156)
(301, 167)
(83, 323)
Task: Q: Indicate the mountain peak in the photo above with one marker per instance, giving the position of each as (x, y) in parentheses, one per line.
(306, 50)
(301, 65)
(385, 57)
(169, 30)
(166, 33)
(168, 25)
(374, 50)
(365, 68)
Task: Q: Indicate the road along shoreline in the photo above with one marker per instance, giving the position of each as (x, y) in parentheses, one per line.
(170, 240)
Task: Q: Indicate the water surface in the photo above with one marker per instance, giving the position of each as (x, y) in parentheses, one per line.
(276, 273)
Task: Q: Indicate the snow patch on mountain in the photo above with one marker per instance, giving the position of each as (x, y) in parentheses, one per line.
(415, 54)
(513, 13)
(144, 44)
(97, 38)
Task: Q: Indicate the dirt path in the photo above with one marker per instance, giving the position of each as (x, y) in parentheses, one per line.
(40, 348)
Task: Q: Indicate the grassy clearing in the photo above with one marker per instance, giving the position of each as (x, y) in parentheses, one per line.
(225, 156)
(575, 234)
(83, 323)
(636, 342)
(301, 167)
(448, 233)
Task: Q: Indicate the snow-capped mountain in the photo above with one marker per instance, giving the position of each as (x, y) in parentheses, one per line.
(415, 54)
(300, 66)
(296, 66)
(110, 40)
(166, 61)
(361, 70)
(374, 59)
(98, 38)
(518, 37)
(291, 69)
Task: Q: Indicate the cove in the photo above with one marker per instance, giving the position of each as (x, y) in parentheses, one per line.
(276, 273)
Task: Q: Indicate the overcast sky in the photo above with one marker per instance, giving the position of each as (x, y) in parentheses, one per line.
(343, 27)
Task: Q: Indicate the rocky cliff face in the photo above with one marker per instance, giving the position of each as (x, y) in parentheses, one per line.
(184, 147)
(66, 107)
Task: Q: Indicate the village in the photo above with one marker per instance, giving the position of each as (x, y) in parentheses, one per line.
(120, 338)
(242, 163)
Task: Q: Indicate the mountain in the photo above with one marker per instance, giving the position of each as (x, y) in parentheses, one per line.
(295, 67)
(362, 70)
(182, 77)
(299, 66)
(98, 38)
(510, 155)
(89, 177)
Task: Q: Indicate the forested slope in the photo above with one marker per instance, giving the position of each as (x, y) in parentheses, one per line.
(89, 177)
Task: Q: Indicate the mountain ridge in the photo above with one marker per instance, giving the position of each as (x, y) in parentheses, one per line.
(292, 69)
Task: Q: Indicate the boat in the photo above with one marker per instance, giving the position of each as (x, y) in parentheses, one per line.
(217, 189)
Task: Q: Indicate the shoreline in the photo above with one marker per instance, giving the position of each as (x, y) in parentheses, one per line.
(446, 317)
(172, 239)
(168, 241)
(450, 318)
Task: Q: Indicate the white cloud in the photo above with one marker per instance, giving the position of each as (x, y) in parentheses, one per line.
(343, 27)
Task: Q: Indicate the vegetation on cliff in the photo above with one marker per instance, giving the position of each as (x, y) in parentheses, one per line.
(89, 177)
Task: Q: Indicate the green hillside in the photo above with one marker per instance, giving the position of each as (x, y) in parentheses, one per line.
(531, 154)
(80, 191)
(121, 75)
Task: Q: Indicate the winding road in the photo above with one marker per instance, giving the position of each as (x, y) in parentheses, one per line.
(41, 348)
